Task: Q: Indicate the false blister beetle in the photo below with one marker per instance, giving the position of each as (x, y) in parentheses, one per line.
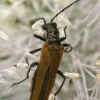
(51, 54)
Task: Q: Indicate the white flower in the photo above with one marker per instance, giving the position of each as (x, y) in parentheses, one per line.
(98, 63)
(39, 32)
(22, 65)
(12, 73)
(63, 20)
(30, 55)
(37, 25)
(51, 97)
(63, 1)
(61, 32)
(3, 81)
(72, 75)
(3, 35)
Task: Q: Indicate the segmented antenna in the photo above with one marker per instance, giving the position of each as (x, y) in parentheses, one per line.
(63, 10)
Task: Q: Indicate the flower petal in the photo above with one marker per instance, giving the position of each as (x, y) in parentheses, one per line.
(63, 20)
(22, 65)
(3, 35)
(51, 97)
(30, 55)
(98, 63)
(61, 32)
(3, 81)
(72, 75)
(39, 32)
(37, 25)
(12, 73)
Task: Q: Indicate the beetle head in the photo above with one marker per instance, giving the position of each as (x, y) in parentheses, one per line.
(51, 30)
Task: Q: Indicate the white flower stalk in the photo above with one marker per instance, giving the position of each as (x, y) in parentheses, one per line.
(63, 20)
(11, 89)
(22, 65)
(3, 81)
(51, 97)
(12, 73)
(37, 25)
(97, 63)
(85, 37)
(63, 2)
(3, 35)
(16, 3)
(98, 77)
(72, 75)
(31, 56)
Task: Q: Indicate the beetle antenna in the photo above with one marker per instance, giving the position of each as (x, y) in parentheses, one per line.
(63, 10)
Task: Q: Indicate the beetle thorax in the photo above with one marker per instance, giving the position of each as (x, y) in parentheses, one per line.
(52, 33)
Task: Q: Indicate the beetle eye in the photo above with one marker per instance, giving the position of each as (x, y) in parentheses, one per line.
(54, 24)
(44, 27)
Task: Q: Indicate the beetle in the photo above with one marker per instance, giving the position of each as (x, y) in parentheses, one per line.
(50, 58)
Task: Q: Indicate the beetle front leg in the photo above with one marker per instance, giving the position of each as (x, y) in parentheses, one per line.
(39, 37)
(27, 75)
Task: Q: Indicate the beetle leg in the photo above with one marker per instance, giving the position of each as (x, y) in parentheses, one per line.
(32, 52)
(66, 45)
(68, 48)
(61, 74)
(63, 38)
(27, 75)
(39, 37)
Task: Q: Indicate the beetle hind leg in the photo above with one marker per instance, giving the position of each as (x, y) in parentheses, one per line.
(61, 74)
